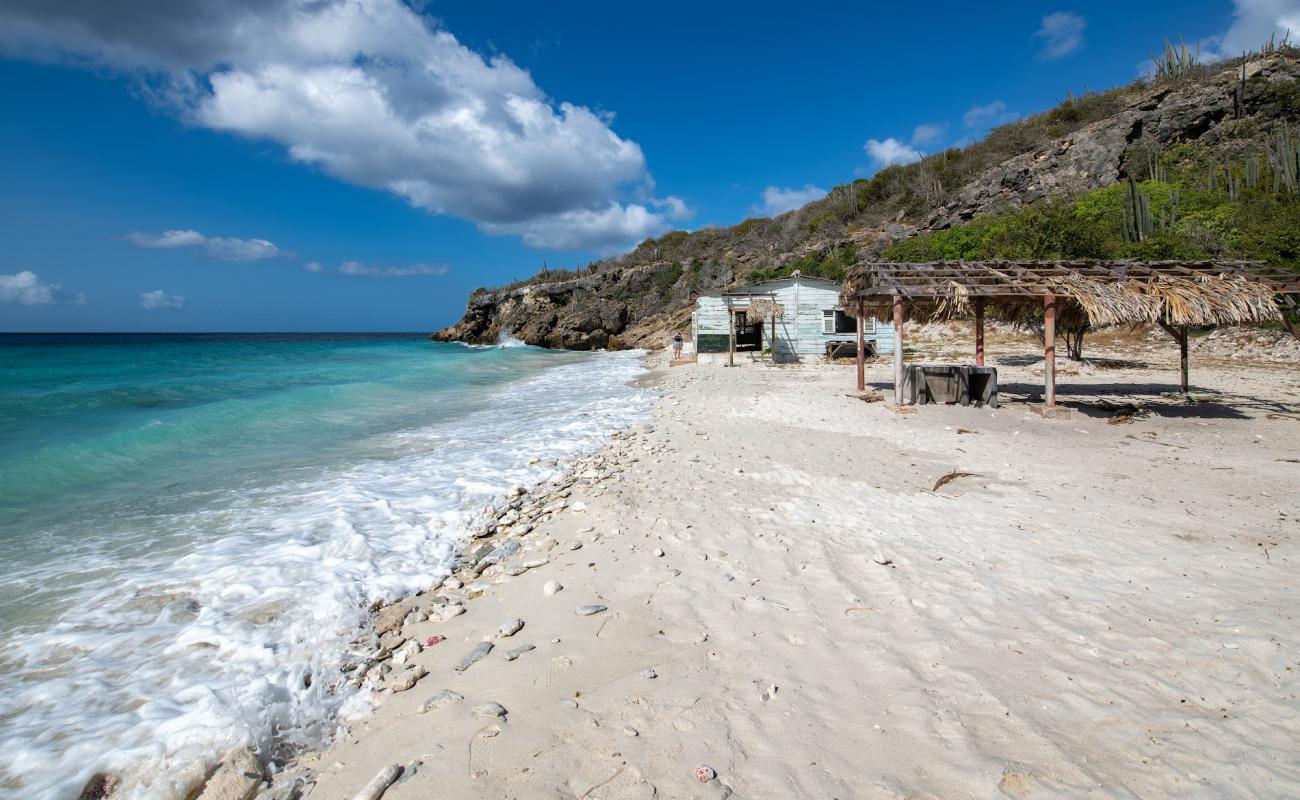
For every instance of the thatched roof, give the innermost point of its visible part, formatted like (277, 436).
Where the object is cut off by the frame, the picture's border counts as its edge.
(762, 309)
(1103, 292)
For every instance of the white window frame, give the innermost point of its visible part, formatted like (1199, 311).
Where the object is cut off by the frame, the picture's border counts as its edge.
(828, 322)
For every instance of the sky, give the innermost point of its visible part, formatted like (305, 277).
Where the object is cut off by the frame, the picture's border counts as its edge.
(363, 165)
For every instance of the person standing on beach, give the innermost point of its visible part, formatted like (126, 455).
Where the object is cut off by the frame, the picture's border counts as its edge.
(677, 345)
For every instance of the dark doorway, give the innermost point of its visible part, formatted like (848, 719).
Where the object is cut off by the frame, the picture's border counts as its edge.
(748, 337)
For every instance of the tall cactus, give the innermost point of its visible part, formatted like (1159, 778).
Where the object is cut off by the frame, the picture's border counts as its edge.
(1283, 154)
(1252, 172)
(1138, 222)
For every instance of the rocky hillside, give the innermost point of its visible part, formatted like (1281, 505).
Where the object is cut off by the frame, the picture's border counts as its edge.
(1084, 144)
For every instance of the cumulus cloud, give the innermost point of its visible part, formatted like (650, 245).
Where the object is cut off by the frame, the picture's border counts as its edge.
(605, 230)
(218, 247)
(778, 201)
(371, 92)
(988, 116)
(160, 299)
(890, 152)
(357, 268)
(928, 133)
(1253, 22)
(26, 288)
(1061, 34)
(312, 266)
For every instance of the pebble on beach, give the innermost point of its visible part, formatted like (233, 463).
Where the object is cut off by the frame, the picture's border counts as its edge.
(439, 700)
(649, 674)
(473, 657)
(704, 773)
(489, 711)
(552, 588)
(510, 627)
(587, 611)
(516, 652)
(408, 678)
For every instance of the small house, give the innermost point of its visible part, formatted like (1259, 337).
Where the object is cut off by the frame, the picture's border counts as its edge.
(789, 320)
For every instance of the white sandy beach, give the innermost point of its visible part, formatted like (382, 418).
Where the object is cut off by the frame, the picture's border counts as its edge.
(1099, 610)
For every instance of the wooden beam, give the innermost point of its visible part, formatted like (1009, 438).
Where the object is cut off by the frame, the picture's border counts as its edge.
(862, 351)
(1182, 362)
(731, 337)
(898, 350)
(1049, 348)
(979, 332)
(772, 344)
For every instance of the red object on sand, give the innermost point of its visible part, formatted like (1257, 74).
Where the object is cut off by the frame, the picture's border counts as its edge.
(432, 640)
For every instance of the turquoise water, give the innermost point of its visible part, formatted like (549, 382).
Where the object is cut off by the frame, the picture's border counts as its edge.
(191, 524)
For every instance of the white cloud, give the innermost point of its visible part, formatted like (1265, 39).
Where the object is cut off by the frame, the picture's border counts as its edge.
(605, 230)
(26, 288)
(373, 93)
(218, 247)
(1253, 22)
(928, 133)
(160, 299)
(359, 269)
(778, 201)
(988, 116)
(1061, 34)
(890, 152)
(312, 266)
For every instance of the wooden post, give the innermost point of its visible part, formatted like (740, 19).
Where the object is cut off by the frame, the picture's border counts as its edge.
(1182, 351)
(731, 337)
(1179, 335)
(1049, 348)
(862, 352)
(772, 344)
(898, 349)
(979, 331)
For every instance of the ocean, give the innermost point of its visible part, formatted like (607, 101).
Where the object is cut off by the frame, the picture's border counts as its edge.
(192, 527)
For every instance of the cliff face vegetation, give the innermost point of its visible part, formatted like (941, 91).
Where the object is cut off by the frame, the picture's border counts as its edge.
(1200, 161)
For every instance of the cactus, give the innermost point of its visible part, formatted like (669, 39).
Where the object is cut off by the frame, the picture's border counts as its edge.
(1283, 153)
(1232, 183)
(1138, 222)
(1173, 208)
(1252, 172)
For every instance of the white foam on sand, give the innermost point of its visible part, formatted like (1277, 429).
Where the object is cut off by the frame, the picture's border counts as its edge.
(164, 662)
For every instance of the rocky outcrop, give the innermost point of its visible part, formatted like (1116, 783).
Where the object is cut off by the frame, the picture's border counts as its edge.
(628, 302)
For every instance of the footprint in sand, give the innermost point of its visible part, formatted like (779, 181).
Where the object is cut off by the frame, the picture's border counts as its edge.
(554, 669)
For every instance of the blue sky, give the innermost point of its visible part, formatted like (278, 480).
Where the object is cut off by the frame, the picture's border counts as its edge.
(363, 165)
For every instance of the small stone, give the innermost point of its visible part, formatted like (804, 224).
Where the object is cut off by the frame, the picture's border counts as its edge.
(630, 731)
(587, 611)
(516, 652)
(439, 700)
(551, 588)
(237, 776)
(659, 553)
(728, 578)
(473, 657)
(406, 652)
(510, 627)
(576, 546)
(408, 678)
(569, 703)
(649, 674)
(453, 582)
(489, 711)
(704, 773)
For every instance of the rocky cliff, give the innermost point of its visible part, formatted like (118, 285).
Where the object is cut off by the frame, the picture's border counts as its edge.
(1085, 143)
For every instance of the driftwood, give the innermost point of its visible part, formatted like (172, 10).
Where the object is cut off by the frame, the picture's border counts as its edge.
(380, 783)
(952, 476)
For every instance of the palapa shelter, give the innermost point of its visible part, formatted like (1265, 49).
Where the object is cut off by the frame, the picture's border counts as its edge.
(1172, 294)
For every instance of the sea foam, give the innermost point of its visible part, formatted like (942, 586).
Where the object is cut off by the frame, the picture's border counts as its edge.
(232, 629)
